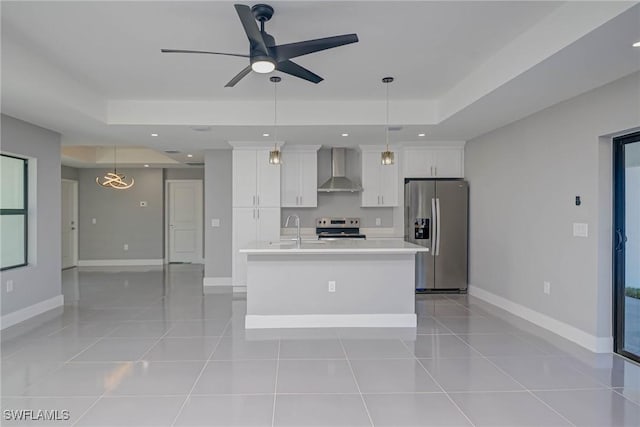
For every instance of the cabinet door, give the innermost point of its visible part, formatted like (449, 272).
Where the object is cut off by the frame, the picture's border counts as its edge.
(290, 179)
(418, 163)
(370, 178)
(268, 224)
(244, 234)
(448, 163)
(308, 179)
(268, 181)
(389, 185)
(244, 178)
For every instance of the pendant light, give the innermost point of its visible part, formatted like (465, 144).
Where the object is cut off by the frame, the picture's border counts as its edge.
(275, 156)
(114, 179)
(387, 157)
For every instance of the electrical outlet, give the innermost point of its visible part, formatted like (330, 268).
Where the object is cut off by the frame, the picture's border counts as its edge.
(9, 286)
(93, 220)
(332, 286)
(143, 204)
(547, 288)
(378, 222)
(126, 247)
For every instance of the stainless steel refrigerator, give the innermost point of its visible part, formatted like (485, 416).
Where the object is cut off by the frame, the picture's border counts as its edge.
(436, 216)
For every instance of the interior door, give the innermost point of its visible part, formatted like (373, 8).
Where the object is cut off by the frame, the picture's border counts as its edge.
(69, 223)
(185, 221)
(626, 246)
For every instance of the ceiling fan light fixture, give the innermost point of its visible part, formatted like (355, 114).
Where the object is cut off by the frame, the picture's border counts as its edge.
(262, 64)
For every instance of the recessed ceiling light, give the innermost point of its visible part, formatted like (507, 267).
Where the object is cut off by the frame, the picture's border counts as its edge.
(636, 44)
(146, 166)
(189, 155)
(421, 134)
(154, 134)
(345, 134)
(265, 134)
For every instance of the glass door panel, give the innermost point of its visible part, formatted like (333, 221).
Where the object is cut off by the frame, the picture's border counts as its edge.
(627, 245)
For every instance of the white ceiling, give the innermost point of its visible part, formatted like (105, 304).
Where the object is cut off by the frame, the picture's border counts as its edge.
(94, 72)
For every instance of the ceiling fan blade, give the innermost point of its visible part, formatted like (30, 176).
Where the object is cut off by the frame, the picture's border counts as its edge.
(202, 51)
(294, 69)
(293, 50)
(239, 76)
(251, 28)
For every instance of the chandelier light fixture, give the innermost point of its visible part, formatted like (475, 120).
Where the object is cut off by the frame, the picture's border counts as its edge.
(114, 179)
(275, 155)
(387, 157)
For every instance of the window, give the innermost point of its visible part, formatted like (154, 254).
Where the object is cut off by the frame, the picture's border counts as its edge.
(13, 212)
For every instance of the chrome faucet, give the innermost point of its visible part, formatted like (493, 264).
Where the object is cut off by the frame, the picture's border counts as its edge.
(286, 224)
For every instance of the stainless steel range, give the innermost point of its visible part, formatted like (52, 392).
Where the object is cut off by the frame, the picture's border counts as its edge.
(338, 228)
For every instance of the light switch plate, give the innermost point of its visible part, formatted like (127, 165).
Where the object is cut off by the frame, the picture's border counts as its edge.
(580, 229)
(215, 222)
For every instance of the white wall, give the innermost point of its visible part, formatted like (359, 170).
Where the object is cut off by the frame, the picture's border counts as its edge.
(523, 181)
(39, 282)
(217, 205)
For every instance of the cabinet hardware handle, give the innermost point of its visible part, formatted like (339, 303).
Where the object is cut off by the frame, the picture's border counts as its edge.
(254, 201)
(436, 168)
(258, 200)
(382, 199)
(258, 213)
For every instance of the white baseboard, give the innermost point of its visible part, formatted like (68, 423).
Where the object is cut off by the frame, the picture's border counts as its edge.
(118, 262)
(578, 336)
(212, 285)
(31, 311)
(253, 321)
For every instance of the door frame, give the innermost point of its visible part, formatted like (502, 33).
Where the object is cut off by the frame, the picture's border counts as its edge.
(200, 217)
(619, 255)
(74, 186)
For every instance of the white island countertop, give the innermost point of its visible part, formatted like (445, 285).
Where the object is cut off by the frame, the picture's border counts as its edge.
(368, 246)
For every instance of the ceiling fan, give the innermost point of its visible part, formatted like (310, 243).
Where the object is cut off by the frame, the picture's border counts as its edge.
(264, 55)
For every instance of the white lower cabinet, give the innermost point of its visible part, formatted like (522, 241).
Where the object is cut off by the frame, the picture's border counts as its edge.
(251, 225)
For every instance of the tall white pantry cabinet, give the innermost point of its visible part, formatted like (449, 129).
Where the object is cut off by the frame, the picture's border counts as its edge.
(256, 203)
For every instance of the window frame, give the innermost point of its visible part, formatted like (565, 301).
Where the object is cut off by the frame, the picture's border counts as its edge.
(24, 211)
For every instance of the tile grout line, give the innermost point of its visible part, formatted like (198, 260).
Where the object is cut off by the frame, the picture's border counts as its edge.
(522, 385)
(275, 387)
(355, 380)
(206, 363)
(438, 384)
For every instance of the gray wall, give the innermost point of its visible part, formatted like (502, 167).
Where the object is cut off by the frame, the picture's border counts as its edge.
(119, 217)
(217, 204)
(68, 172)
(523, 181)
(340, 204)
(41, 279)
(184, 173)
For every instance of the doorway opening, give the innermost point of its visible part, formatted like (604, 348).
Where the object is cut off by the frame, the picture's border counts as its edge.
(184, 221)
(626, 245)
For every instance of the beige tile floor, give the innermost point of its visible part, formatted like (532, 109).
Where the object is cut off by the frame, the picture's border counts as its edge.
(140, 347)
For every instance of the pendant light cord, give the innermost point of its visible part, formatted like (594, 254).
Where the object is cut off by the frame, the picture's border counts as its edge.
(387, 127)
(275, 114)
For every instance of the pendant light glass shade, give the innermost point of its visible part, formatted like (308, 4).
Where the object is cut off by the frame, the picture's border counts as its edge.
(387, 157)
(275, 155)
(114, 179)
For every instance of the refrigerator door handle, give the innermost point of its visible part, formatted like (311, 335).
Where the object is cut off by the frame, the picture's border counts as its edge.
(434, 227)
(438, 227)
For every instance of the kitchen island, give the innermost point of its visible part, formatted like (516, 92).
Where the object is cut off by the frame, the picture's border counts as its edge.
(343, 283)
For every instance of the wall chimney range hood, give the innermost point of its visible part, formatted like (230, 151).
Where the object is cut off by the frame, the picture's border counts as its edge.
(338, 180)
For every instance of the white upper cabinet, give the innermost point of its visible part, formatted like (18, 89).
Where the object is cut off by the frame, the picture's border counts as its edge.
(434, 162)
(299, 177)
(256, 182)
(379, 182)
